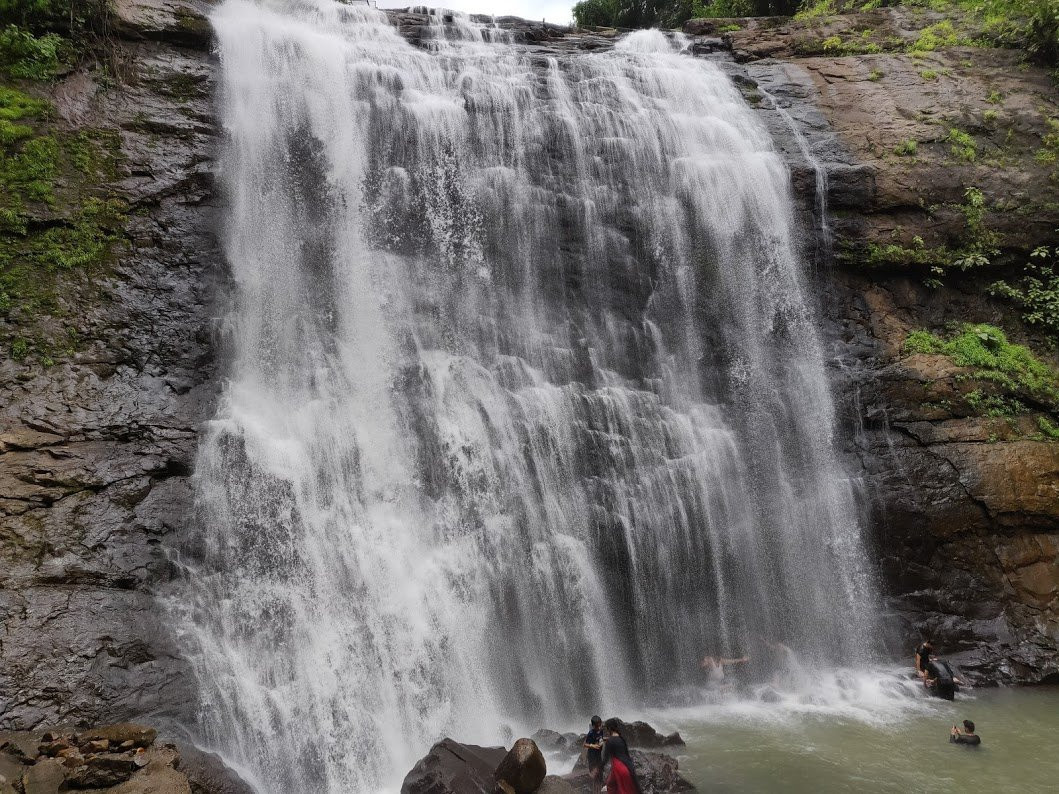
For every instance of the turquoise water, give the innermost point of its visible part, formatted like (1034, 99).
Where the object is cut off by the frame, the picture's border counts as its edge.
(885, 746)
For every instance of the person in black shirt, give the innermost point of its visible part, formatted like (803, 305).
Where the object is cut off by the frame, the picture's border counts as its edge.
(923, 654)
(622, 778)
(594, 751)
(966, 736)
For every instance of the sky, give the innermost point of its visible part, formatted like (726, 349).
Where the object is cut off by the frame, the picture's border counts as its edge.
(550, 10)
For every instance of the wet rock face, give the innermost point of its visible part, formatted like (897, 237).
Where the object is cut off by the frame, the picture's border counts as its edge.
(963, 508)
(96, 450)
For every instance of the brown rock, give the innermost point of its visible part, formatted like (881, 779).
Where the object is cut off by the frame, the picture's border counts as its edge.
(95, 746)
(164, 780)
(522, 769)
(139, 735)
(44, 777)
(553, 784)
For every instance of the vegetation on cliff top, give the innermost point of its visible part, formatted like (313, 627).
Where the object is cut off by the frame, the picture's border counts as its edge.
(1029, 24)
(672, 13)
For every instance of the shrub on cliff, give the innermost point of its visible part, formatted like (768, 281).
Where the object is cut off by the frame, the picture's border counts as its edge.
(68, 17)
(671, 13)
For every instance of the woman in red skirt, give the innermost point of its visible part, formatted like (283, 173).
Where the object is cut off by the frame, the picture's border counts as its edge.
(622, 779)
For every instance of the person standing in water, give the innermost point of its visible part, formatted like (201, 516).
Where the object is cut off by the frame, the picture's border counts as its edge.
(714, 667)
(594, 751)
(966, 736)
(622, 778)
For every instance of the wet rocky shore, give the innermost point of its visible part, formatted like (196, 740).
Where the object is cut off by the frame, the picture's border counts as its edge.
(454, 768)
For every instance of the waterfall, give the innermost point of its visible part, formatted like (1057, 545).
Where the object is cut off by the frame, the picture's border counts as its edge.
(526, 408)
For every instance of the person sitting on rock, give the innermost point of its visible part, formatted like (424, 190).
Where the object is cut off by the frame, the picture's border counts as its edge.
(622, 778)
(966, 736)
(922, 658)
(594, 751)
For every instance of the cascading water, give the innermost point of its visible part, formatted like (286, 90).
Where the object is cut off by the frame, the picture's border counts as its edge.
(526, 407)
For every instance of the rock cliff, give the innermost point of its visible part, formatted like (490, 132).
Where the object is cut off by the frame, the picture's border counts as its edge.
(105, 381)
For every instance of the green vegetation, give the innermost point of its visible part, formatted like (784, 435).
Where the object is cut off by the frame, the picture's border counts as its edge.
(28, 57)
(1036, 290)
(671, 13)
(907, 148)
(929, 74)
(964, 146)
(978, 248)
(1012, 369)
(875, 75)
(937, 36)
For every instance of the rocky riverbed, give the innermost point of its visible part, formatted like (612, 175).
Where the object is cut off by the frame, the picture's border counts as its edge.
(122, 759)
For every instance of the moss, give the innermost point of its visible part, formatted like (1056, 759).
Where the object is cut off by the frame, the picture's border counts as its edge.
(1011, 368)
(875, 75)
(929, 74)
(1048, 429)
(906, 148)
(58, 221)
(937, 36)
(964, 146)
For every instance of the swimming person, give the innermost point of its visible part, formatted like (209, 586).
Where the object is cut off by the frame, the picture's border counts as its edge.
(622, 778)
(922, 657)
(966, 736)
(594, 751)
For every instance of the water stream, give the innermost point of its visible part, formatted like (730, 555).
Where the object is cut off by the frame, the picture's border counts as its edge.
(526, 408)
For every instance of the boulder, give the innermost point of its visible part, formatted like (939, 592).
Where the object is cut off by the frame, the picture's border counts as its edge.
(522, 769)
(549, 740)
(100, 771)
(11, 769)
(454, 768)
(43, 778)
(640, 734)
(658, 773)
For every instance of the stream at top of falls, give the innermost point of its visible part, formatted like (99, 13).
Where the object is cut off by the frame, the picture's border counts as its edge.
(526, 409)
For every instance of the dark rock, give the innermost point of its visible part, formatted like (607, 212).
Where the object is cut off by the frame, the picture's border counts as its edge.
(553, 741)
(454, 768)
(640, 734)
(207, 773)
(522, 769)
(100, 771)
(658, 773)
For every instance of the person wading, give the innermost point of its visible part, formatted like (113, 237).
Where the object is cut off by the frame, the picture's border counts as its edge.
(966, 736)
(622, 778)
(923, 654)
